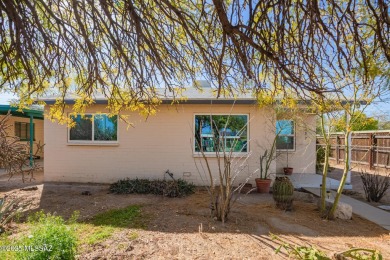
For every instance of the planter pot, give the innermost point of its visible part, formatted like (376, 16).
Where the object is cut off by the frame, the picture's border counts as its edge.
(288, 170)
(263, 185)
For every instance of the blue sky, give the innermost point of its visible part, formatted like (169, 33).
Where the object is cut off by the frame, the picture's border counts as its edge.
(5, 98)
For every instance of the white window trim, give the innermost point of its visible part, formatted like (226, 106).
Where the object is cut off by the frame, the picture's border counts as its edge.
(93, 142)
(293, 135)
(213, 154)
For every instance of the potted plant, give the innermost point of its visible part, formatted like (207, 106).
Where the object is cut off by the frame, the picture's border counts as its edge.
(263, 183)
(283, 193)
(287, 170)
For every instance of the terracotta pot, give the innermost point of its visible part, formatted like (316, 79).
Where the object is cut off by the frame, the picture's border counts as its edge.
(263, 185)
(288, 170)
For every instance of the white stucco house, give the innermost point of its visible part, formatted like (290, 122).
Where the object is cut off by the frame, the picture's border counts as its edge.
(100, 149)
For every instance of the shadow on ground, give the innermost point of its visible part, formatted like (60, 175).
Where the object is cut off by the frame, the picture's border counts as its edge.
(252, 214)
(183, 221)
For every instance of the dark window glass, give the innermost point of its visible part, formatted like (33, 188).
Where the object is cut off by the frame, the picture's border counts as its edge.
(82, 131)
(22, 130)
(94, 128)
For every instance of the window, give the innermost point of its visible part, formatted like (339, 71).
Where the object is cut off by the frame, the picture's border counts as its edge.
(286, 135)
(229, 132)
(94, 128)
(22, 130)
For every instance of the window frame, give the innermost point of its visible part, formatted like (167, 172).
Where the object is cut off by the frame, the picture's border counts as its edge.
(289, 135)
(27, 131)
(93, 142)
(213, 154)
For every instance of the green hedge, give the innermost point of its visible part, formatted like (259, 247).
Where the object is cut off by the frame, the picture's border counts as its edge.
(177, 188)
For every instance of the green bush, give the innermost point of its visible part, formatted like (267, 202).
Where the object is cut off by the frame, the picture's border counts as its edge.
(174, 188)
(320, 158)
(49, 238)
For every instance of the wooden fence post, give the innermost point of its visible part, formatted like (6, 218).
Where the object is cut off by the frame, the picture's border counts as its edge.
(370, 151)
(337, 150)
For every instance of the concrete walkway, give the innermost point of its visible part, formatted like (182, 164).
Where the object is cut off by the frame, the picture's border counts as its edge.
(311, 180)
(373, 214)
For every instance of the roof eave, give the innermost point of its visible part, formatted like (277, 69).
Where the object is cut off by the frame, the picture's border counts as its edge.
(26, 113)
(170, 101)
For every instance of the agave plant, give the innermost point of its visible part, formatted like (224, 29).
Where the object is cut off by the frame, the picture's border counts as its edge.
(8, 210)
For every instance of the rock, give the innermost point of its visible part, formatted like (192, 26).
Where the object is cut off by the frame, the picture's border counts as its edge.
(86, 193)
(343, 210)
(29, 188)
(304, 196)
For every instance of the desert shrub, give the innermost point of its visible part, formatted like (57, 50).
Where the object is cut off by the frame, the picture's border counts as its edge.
(13, 153)
(308, 252)
(171, 188)
(141, 186)
(49, 238)
(8, 210)
(359, 254)
(375, 186)
(320, 158)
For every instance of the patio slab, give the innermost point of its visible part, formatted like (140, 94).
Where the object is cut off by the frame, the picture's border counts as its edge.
(311, 180)
(373, 214)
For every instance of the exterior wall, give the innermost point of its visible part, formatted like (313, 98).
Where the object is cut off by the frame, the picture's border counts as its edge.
(303, 159)
(38, 130)
(152, 146)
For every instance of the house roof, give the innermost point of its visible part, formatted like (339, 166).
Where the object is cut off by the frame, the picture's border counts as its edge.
(187, 96)
(36, 112)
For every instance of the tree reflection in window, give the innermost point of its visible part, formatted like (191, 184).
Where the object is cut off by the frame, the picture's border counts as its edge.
(221, 132)
(105, 128)
(286, 135)
(94, 128)
(82, 131)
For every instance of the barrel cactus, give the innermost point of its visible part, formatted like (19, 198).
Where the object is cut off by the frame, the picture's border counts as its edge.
(283, 193)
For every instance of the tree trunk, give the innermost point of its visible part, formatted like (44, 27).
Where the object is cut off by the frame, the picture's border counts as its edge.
(325, 167)
(345, 173)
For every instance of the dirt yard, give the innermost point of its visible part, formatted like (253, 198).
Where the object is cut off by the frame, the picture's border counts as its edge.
(181, 228)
